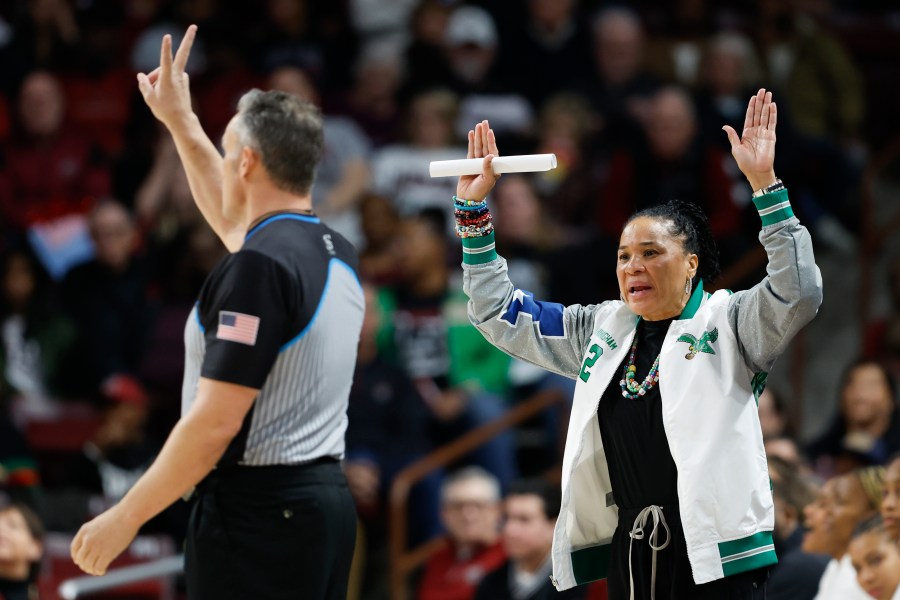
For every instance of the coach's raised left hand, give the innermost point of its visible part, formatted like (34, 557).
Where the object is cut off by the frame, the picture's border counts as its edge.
(754, 150)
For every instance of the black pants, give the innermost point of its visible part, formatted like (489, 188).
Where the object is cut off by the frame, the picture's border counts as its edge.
(674, 577)
(271, 533)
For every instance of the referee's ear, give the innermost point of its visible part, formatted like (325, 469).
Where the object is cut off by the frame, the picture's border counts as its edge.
(249, 161)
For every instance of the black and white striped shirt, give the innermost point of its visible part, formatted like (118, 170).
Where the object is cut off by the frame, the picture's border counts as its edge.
(283, 315)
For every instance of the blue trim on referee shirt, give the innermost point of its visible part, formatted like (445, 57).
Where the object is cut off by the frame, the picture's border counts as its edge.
(197, 317)
(332, 262)
(271, 220)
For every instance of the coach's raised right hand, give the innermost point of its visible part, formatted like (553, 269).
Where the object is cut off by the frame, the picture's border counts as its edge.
(166, 89)
(482, 144)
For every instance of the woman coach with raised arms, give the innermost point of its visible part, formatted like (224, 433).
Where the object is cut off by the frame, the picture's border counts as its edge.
(665, 486)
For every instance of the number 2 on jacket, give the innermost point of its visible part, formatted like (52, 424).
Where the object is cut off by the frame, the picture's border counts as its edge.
(594, 353)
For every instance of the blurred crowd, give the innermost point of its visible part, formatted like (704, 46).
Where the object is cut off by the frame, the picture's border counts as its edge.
(102, 251)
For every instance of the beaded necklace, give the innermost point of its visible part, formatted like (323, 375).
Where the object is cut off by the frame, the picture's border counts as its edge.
(630, 388)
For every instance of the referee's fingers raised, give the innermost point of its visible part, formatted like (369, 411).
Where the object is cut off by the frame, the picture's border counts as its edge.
(165, 56)
(184, 49)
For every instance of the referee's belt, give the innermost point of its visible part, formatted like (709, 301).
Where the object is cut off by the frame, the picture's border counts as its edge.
(195, 490)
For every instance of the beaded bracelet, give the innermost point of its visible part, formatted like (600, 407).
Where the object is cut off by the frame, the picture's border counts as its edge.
(470, 215)
(464, 204)
(467, 232)
(482, 221)
(473, 219)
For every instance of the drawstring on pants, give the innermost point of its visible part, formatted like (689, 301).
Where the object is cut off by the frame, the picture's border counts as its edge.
(637, 533)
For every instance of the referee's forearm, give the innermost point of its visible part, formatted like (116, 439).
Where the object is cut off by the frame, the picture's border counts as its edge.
(203, 166)
(190, 453)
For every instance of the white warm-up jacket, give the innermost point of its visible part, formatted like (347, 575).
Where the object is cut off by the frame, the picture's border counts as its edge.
(713, 365)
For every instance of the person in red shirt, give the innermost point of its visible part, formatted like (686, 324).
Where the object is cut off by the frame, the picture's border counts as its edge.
(470, 511)
(46, 172)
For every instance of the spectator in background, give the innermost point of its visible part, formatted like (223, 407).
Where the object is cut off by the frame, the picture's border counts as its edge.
(114, 458)
(554, 43)
(470, 512)
(38, 361)
(527, 235)
(824, 97)
(471, 45)
(855, 497)
(621, 87)
(99, 86)
(425, 56)
(882, 338)
(21, 548)
(778, 432)
(384, 23)
(387, 430)
(866, 428)
(816, 538)
(45, 35)
(675, 163)
(163, 204)
(568, 127)
(729, 71)
(19, 477)
(108, 296)
(530, 510)
(675, 46)
(773, 417)
(797, 574)
(227, 70)
(890, 501)
(461, 377)
(317, 37)
(823, 88)
(372, 100)
(876, 557)
(47, 171)
(380, 227)
(343, 172)
(400, 171)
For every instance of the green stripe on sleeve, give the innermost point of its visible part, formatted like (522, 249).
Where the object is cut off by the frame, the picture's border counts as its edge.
(479, 250)
(773, 208)
(746, 554)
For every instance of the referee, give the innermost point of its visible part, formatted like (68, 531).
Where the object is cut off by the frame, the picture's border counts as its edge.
(270, 349)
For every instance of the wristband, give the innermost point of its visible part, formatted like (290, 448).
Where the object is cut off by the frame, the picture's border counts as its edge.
(778, 185)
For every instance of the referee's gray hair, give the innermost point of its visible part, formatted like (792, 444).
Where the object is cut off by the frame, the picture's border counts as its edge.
(286, 133)
(468, 474)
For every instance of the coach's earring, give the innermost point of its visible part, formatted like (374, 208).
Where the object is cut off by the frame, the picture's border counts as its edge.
(688, 286)
(621, 297)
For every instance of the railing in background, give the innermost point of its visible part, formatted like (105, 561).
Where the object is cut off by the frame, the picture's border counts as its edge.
(82, 587)
(145, 570)
(403, 561)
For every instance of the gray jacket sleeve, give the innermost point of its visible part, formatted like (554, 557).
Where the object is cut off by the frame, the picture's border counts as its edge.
(766, 317)
(549, 335)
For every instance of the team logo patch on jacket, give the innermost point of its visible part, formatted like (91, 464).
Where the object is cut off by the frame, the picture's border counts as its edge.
(704, 344)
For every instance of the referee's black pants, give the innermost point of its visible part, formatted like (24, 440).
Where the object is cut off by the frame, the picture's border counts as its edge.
(271, 533)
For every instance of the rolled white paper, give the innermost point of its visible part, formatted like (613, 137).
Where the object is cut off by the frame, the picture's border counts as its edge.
(524, 163)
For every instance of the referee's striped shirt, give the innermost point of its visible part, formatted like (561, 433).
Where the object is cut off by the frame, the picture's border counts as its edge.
(283, 315)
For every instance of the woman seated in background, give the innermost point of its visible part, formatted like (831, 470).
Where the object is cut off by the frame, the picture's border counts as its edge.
(866, 429)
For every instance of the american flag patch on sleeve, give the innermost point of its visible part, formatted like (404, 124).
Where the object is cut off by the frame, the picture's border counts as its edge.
(237, 327)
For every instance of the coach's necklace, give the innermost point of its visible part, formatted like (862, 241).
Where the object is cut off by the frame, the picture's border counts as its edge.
(630, 388)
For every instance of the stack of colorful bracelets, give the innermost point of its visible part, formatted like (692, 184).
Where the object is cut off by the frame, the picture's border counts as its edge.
(472, 218)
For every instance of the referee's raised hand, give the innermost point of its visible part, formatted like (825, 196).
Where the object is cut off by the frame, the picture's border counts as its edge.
(166, 89)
